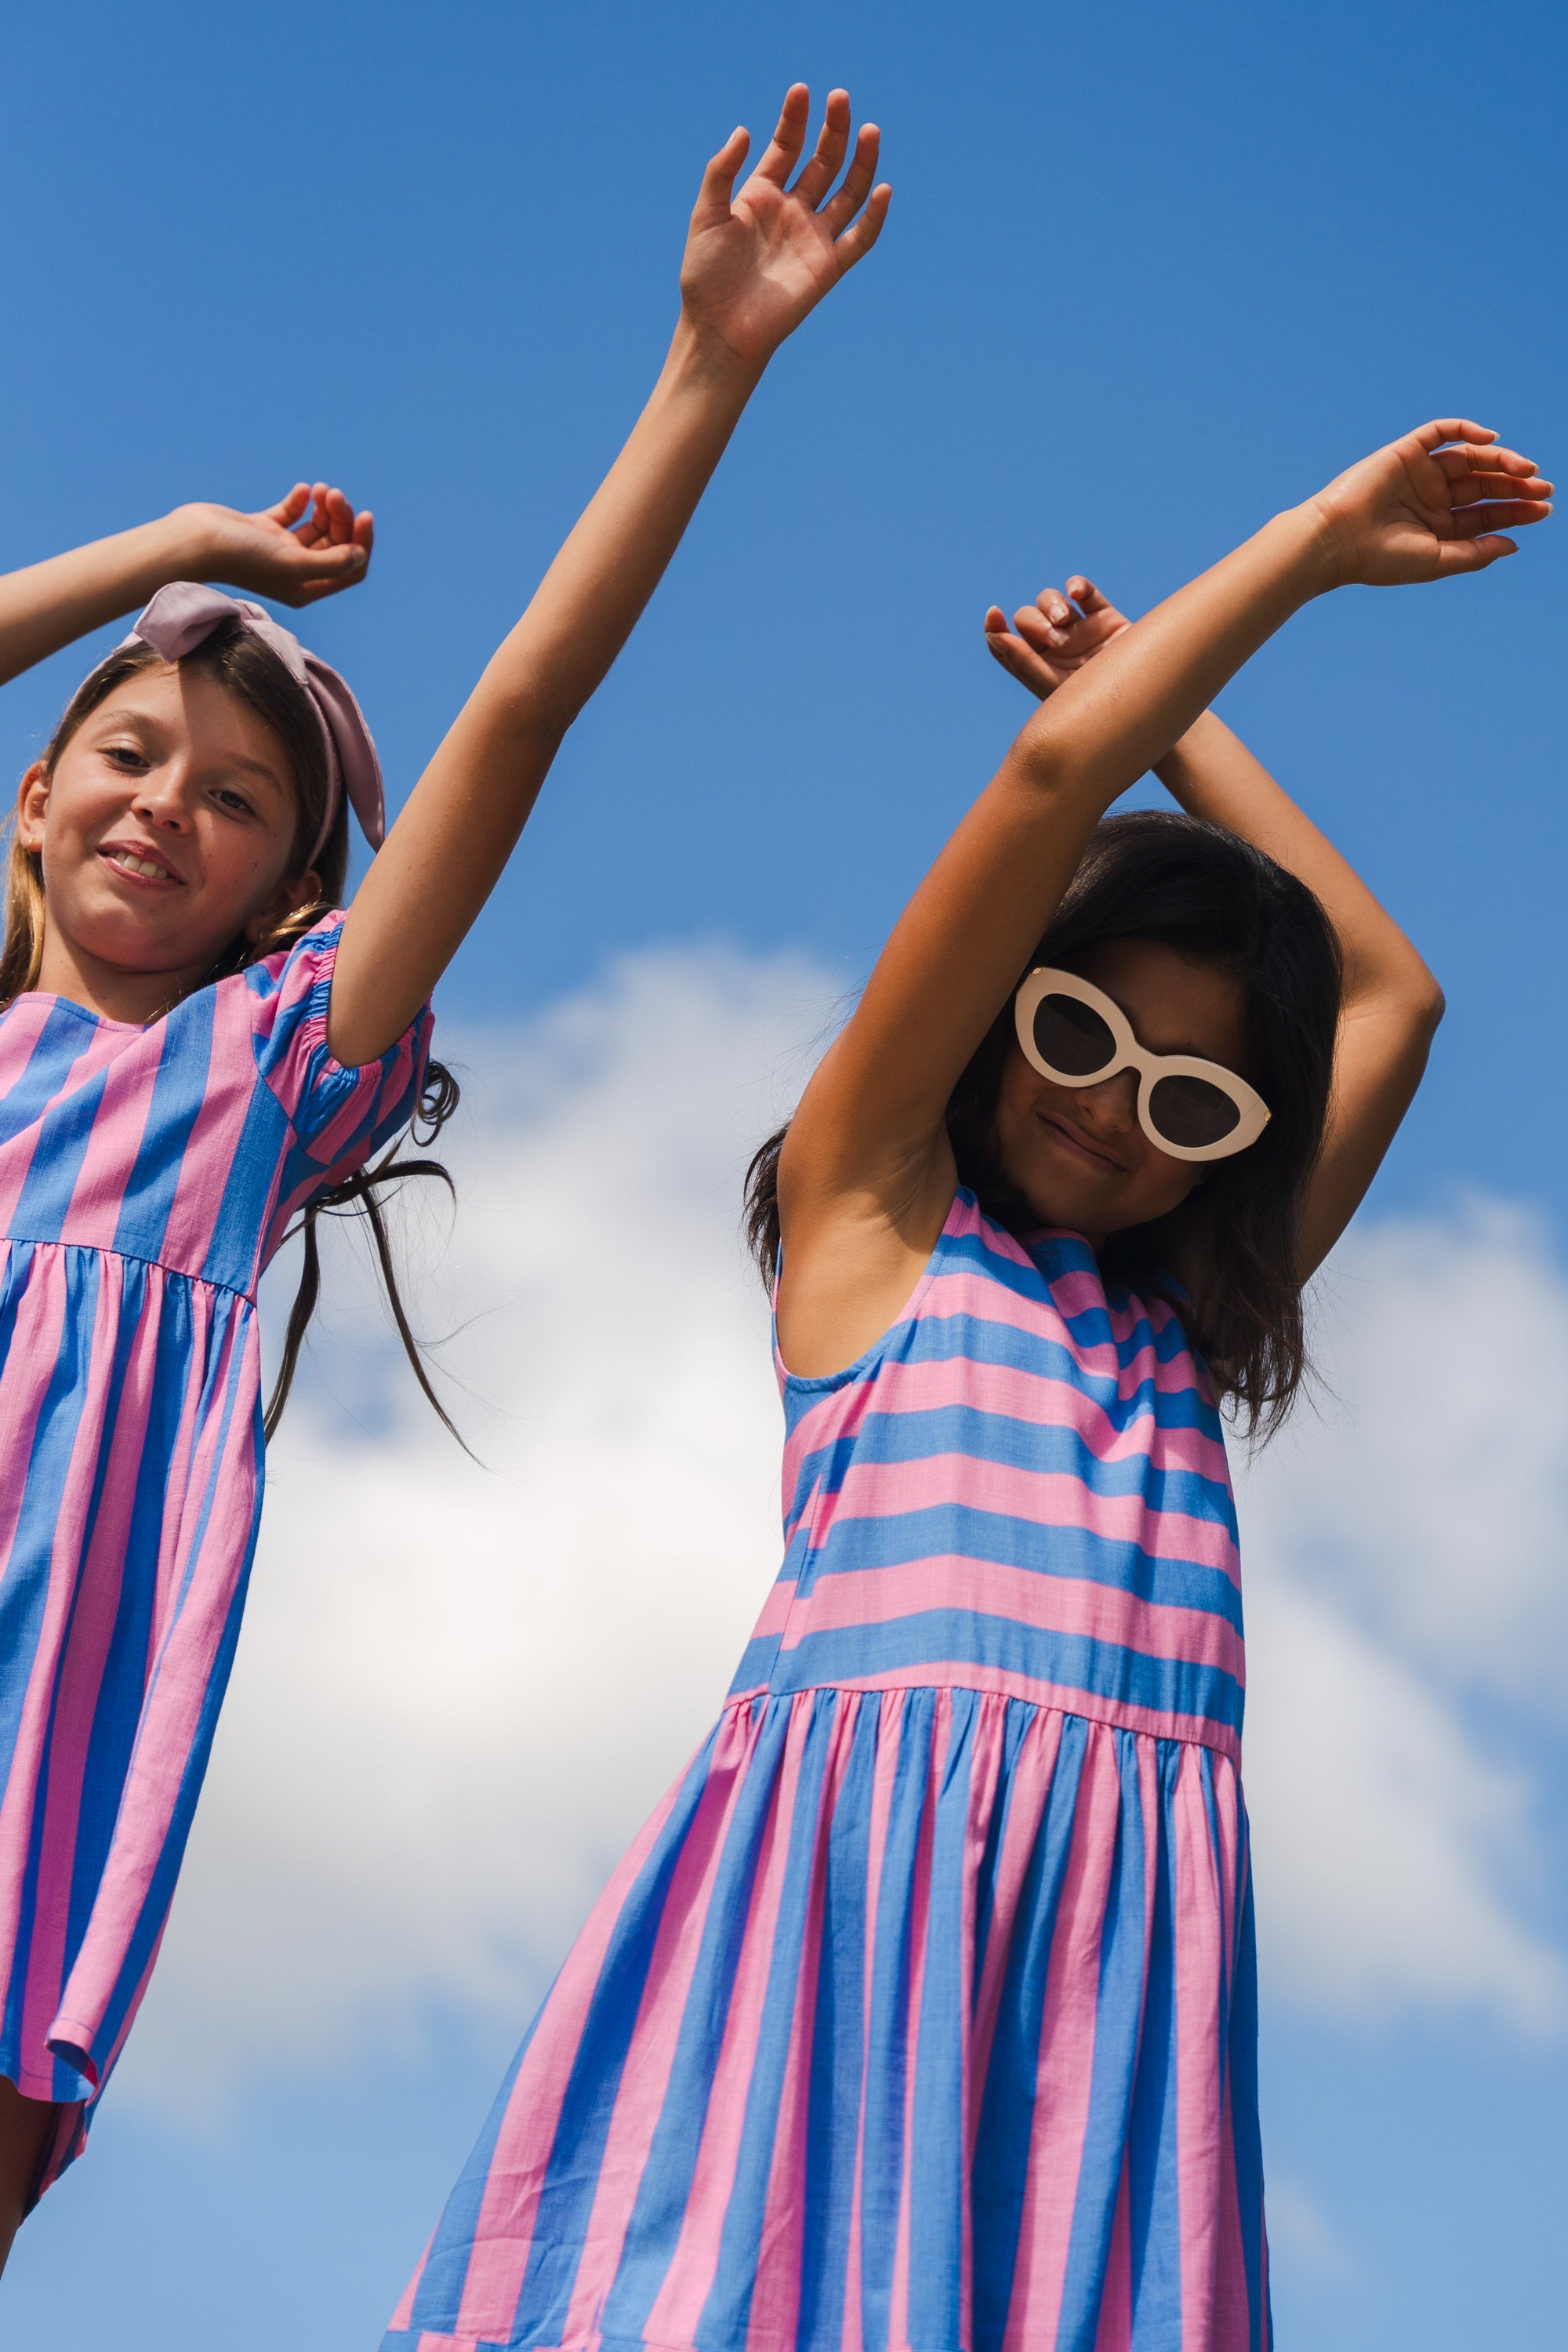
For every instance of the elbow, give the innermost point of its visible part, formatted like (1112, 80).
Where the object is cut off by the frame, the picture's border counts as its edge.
(1429, 1005)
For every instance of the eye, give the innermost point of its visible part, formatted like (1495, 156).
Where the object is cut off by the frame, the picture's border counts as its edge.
(232, 802)
(126, 758)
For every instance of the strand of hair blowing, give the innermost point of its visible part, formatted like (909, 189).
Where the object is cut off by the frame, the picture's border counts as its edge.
(248, 670)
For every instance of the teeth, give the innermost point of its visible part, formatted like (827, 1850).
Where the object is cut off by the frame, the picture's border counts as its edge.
(141, 865)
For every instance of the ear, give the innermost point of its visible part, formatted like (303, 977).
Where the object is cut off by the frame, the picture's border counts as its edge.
(302, 890)
(33, 807)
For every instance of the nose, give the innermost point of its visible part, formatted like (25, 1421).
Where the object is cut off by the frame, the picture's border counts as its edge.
(1112, 1104)
(159, 798)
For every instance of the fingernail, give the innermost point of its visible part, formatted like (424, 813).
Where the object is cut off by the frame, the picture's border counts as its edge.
(1058, 613)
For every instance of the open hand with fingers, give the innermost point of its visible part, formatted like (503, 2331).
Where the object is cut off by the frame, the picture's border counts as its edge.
(309, 545)
(1055, 635)
(759, 259)
(1437, 500)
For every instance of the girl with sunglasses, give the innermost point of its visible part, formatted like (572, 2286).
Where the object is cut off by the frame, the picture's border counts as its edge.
(923, 2010)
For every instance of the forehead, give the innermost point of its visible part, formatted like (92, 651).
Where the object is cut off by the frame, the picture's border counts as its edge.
(189, 709)
(1176, 1003)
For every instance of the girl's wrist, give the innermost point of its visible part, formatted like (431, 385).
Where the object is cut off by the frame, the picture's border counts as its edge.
(1315, 555)
(703, 360)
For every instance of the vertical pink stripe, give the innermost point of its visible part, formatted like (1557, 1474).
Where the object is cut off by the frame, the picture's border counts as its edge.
(1200, 1971)
(1065, 2071)
(650, 2055)
(197, 1590)
(892, 1709)
(1114, 2333)
(119, 1125)
(403, 2315)
(83, 1651)
(775, 2300)
(40, 1334)
(503, 2230)
(919, 1932)
(25, 1023)
(1033, 1772)
(215, 1137)
(678, 2307)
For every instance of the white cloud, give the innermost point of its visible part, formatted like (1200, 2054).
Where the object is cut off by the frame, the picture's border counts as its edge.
(1431, 1493)
(459, 1690)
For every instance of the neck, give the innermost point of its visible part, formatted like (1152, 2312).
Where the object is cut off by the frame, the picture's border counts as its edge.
(109, 989)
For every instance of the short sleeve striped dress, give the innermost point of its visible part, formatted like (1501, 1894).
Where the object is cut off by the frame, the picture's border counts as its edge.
(921, 2016)
(146, 1177)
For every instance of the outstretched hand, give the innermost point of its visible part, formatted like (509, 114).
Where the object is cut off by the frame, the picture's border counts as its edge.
(757, 260)
(1437, 500)
(1055, 635)
(309, 545)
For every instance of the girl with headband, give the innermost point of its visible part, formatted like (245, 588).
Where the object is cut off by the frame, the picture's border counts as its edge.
(923, 2012)
(198, 1046)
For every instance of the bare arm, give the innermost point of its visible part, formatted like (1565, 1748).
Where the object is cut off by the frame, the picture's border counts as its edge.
(1392, 1004)
(296, 551)
(754, 267)
(866, 1175)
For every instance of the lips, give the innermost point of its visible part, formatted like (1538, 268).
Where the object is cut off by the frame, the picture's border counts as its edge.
(137, 863)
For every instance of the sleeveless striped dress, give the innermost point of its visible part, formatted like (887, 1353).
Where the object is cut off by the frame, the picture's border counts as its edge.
(921, 2016)
(146, 1177)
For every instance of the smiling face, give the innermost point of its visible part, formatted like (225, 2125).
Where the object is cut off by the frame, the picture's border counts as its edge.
(166, 831)
(1078, 1154)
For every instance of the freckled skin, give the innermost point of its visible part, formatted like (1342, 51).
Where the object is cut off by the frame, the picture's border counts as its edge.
(1078, 1154)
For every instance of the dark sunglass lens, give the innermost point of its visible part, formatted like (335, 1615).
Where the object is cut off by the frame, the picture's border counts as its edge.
(1072, 1038)
(1192, 1112)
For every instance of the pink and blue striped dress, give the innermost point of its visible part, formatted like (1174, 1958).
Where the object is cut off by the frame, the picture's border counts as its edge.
(921, 2016)
(146, 1177)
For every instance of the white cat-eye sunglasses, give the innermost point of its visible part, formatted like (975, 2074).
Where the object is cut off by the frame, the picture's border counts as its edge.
(1073, 1033)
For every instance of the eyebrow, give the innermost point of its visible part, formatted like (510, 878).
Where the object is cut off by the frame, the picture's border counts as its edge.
(156, 726)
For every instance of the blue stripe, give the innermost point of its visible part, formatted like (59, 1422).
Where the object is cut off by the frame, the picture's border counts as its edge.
(940, 2152)
(961, 1637)
(838, 2040)
(665, 2189)
(1007, 2102)
(67, 1032)
(226, 1404)
(727, 2313)
(121, 1691)
(63, 1136)
(888, 2026)
(1154, 2193)
(1039, 1352)
(25, 1587)
(917, 1433)
(1117, 2014)
(179, 1089)
(996, 1539)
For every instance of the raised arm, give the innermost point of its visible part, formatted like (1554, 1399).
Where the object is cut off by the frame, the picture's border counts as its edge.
(1392, 1004)
(866, 1174)
(756, 262)
(309, 545)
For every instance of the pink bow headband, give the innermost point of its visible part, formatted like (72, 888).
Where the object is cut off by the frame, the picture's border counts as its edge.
(185, 613)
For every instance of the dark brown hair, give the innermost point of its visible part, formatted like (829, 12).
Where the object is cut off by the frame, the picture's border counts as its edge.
(238, 661)
(1156, 874)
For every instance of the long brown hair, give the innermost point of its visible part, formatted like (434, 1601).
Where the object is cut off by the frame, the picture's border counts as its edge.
(248, 670)
(1154, 874)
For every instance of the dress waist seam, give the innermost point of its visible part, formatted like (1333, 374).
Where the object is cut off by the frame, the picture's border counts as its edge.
(1219, 1737)
(134, 1257)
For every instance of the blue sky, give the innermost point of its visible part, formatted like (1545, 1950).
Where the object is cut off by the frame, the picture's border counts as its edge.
(1150, 273)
